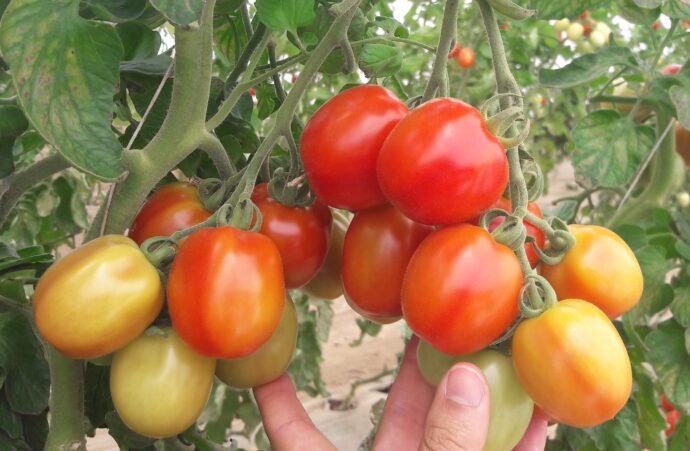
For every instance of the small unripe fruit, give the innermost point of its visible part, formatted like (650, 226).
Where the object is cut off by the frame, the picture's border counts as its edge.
(597, 39)
(575, 31)
(601, 26)
(561, 25)
(683, 199)
(584, 47)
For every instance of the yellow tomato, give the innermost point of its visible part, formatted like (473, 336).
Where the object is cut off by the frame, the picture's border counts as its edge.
(98, 298)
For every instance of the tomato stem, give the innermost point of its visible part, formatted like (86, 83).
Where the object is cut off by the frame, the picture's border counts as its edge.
(66, 405)
(439, 72)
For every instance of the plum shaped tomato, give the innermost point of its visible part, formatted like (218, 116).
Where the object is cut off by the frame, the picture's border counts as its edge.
(511, 406)
(600, 269)
(573, 363)
(460, 290)
(378, 247)
(173, 207)
(269, 361)
(98, 298)
(441, 165)
(226, 291)
(327, 283)
(300, 233)
(159, 385)
(342, 141)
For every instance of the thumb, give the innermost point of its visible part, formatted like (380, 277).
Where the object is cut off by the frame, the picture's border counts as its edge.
(459, 415)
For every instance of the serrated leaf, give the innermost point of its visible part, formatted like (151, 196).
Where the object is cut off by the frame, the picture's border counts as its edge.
(558, 9)
(677, 9)
(657, 293)
(65, 69)
(285, 15)
(138, 41)
(179, 12)
(603, 160)
(117, 10)
(619, 433)
(671, 362)
(633, 235)
(588, 67)
(391, 26)
(380, 60)
(680, 307)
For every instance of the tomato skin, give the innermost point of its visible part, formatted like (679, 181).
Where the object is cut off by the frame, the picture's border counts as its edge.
(342, 141)
(600, 269)
(511, 406)
(573, 363)
(378, 245)
(683, 143)
(269, 361)
(327, 283)
(159, 385)
(173, 207)
(671, 69)
(226, 291)
(466, 57)
(74, 303)
(665, 404)
(440, 165)
(672, 418)
(300, 233)
(468, 304)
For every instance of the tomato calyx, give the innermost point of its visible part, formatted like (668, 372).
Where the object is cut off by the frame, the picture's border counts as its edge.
(290, 191)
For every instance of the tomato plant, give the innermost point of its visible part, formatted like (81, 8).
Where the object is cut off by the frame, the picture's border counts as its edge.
(224, 276)
(378, 246)
(300, 233)
(160, 385)
(511, 406)
(327, 283)
(98, 298)
(463, 309)
(449, 137)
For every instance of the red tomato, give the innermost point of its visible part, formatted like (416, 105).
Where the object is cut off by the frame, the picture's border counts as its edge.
(665, 404)
(378, 246)
(441, 165)
(533, 231)
(466, 57)
(460, 290)
(453, 53)
(656, 25)
(342, 141)
(173, 207)
(671, 69)
(672, 418)
(300, 233)
(226, 291)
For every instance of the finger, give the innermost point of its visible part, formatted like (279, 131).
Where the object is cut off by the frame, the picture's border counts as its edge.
(459, 415)
(535, 435)
(402, 421)
(286, 422)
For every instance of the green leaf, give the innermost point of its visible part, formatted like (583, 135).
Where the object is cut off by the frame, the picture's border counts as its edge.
(12, 121)
(680, 96)
(680, 307)
(10, 422)
(180, 13)
(6, 156)
(141, 90)
(620, 433)
(671, 362)
(380, 60)
(650, 420)
(65, 71)
(558, 9)
(633, 235)
(97, 400)
(649, 4)
(632, 11)
(657, 293)
(602, 160)
(680, 439)
(588, 67)
(28, 379)
(285, 15)
(138, 41)
(677, 9)
(117, 10)
(391, 26)
(156, 65)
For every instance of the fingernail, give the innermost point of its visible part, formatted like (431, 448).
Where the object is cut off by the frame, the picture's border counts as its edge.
(465, 386)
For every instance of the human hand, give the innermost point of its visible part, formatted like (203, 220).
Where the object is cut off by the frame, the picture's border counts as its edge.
(455, 416)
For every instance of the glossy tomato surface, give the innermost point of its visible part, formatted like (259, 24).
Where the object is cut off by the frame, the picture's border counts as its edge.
(466, 57)
(269, 361)
(441, 165)
(378, 246)
(460, 290)
(327, 283)
(159, 385)
(511, 406)
(173, 207)
(226, 291)
(532, 230)
(300, 233)
(98, 298)
(342, 141)
(600, 269)
(573, 363)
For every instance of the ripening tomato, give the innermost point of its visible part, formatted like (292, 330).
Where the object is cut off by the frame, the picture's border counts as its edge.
(342, 141)
(466, 57)
(672, 418)
(159, 385)
(683, 143)
(174, 207)
(440, 165)
(600, 269)
(226, 291)
(460, 290)
(300, 233)
(671, 69)
(98, 298)
(573, 363)
(269, 361)
(327, 283)
(454, 52)
(378, 246)
(665, 404)
(511, 407)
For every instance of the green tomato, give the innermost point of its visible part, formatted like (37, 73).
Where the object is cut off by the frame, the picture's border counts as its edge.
(269, 361)
(511, 406)
(561, 25)
(575, 31)
(159, 385)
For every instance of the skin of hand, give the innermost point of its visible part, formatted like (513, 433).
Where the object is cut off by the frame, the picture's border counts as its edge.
(454, 416)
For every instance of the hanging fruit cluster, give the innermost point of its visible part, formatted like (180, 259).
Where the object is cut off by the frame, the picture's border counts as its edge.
(585, 32)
